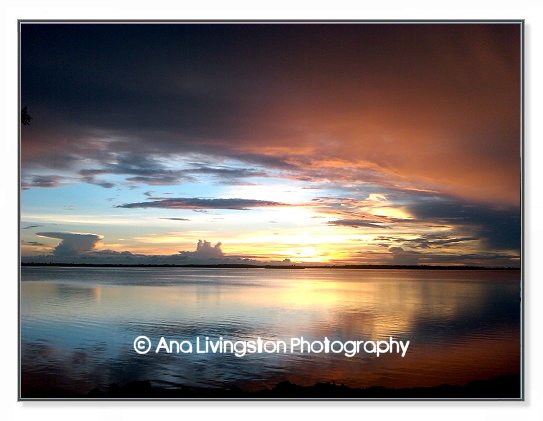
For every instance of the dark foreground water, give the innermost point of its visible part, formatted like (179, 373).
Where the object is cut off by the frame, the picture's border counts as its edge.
(78, 325)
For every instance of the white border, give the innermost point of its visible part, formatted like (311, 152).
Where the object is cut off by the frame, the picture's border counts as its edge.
(11, 10)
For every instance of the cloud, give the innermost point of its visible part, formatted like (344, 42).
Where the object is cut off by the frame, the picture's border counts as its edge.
(403, 257)
(155, 180)
(228, 174)
(430, 241)
(151, 171)
(176, 219)
(47, 181)
(427, 241)
(356, 213)
(139, 168)
(204, 251)
(199, 203)
(91, 180)
(222, 111)
(72, 244)
(498, 226)
(32, 243)
(357, 223)
(31, 226)
(79, 248)
(451, 123)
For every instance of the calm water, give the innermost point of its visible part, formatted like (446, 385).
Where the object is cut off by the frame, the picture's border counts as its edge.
(78, 325)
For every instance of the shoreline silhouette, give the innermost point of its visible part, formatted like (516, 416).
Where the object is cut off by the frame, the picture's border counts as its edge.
(502, 387)
(252, 266)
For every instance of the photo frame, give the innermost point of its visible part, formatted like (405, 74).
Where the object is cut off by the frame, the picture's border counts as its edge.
(265, 210)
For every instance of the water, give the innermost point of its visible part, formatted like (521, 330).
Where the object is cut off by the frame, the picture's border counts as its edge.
(78, 325)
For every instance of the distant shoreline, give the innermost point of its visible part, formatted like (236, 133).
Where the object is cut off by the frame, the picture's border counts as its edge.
(250, 266)
(503, 387)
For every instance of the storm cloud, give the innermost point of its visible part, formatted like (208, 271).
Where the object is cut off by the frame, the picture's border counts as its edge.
(196, 89)
(72, 244)
(498, 226)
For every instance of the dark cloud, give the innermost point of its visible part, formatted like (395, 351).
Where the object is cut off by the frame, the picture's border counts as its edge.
(427, 241)
(91, 180)
(156, 179)
(47, 181)
(31, 226)
(176, 219)
(151, 171)
(282, 96)
(274, 161)
(140, 169)
(401, 256)
(228, 173)
(199, 203)
(357, 223)
(498, 226)
(72, 244)
(32, 243)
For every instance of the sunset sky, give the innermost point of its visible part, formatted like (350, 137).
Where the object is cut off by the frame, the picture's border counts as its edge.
(318, 143)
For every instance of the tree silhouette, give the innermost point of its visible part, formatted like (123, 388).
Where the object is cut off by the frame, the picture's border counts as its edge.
(25, 117)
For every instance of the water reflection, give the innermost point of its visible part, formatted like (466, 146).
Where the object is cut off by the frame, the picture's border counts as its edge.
(78, 324)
